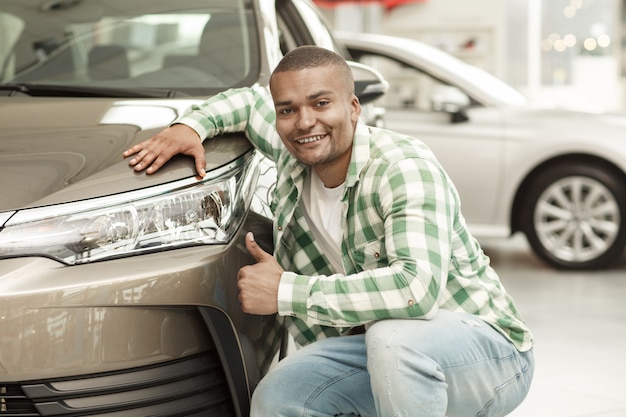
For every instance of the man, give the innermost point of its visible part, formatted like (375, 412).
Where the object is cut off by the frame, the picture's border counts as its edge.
(371, 246)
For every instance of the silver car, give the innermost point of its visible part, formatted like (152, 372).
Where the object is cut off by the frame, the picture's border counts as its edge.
(558, 176)
(118, 291)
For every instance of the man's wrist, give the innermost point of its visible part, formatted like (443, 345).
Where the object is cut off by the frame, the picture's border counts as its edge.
(191, 124)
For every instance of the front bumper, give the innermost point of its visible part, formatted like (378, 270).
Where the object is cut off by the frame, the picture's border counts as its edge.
(161, 334)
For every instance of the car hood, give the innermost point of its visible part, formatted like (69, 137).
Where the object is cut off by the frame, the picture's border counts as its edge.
(71, 150)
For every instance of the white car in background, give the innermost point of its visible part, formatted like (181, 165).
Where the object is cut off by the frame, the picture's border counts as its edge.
(558, 176)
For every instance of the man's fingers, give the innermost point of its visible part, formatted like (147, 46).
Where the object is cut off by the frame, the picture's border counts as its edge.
(136, 154)
(255, 250)
(200, 162)
(142, 155)
(132, 151)
(147, 160)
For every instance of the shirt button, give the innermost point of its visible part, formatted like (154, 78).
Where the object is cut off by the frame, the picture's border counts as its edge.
(411, 302)
(377, 255)
(280, 228)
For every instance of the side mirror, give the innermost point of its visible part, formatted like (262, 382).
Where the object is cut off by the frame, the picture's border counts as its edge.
(369, 84)
(450, 100)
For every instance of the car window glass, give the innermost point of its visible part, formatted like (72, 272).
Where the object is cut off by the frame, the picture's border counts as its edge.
(11, 28)
(317, 27)
(300, 23)
(158, 45)
(287, 42)
(408, 88)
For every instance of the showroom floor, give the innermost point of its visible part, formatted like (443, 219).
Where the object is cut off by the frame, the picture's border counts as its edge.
(579, 324)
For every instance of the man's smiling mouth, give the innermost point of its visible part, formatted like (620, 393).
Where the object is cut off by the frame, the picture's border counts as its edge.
(310, 139)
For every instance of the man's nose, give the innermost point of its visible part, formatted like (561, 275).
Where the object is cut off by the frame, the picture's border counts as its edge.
(306, 119)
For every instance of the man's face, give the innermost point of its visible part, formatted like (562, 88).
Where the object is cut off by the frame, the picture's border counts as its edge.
(316, 115)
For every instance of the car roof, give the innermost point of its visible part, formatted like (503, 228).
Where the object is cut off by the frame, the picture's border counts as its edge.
(477, 83)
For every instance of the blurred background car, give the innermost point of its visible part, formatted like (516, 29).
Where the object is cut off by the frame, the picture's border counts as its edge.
(118, 291)
(557, 176)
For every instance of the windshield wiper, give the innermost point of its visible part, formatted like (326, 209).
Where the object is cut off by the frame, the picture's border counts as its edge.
(54, 90)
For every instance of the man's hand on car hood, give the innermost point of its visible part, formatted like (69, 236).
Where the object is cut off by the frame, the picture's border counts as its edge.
(153, 153)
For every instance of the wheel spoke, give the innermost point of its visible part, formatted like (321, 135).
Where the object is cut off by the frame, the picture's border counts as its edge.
(607, 227)
(577, 193)
(578, 243)
(606, 209)
(561, 197)
(553, 227)
(597, 195)
(546, 209)
(562, 239)
(598, 243)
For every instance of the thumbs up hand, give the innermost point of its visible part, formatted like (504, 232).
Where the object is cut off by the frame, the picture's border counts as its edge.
(258, 283)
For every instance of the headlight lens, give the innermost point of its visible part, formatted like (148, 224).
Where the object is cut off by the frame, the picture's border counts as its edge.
(183, 213)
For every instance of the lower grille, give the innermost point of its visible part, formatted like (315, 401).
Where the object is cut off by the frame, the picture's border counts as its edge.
(13, 402)
(193, 386)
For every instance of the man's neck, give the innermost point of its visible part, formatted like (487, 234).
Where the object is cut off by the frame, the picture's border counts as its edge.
(334, 174)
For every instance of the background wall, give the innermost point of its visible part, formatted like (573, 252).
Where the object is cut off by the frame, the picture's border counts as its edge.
(563, 52)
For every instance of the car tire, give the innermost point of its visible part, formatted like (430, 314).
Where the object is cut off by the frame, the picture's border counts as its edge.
(574, 215)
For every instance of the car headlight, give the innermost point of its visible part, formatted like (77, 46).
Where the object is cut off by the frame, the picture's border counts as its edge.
(183, 213)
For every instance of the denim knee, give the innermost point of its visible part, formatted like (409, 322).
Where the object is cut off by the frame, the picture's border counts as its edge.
(267, 399)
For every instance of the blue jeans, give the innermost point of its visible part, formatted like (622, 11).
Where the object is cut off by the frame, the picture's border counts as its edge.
(454, 365)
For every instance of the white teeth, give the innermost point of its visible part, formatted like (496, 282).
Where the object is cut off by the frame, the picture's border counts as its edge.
(311, 139)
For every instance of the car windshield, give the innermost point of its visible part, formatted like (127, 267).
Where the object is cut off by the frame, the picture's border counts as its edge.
(185, 45)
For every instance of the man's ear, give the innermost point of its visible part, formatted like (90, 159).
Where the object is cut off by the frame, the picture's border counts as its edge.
(356, 108)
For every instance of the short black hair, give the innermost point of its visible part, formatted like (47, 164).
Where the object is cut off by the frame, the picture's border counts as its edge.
(309, 56)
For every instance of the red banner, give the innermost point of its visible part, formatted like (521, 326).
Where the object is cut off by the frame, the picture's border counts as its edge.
(387, 4)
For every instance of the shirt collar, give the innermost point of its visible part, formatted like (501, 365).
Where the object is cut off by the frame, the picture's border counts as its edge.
(360, 153)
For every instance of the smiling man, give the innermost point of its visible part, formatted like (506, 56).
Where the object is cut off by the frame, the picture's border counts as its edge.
(374, 272)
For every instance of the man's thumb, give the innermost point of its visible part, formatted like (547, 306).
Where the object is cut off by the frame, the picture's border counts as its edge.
(255, 250)
(200, 164)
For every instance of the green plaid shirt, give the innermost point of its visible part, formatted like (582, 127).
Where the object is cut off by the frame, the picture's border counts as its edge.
(406, 248)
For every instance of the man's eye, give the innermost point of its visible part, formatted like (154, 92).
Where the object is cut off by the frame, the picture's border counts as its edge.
(286, 111)
(321, 103)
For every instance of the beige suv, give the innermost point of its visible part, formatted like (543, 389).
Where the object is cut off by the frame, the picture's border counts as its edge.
(117, 289)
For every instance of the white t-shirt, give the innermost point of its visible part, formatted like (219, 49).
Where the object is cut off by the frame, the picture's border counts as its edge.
(323, 210)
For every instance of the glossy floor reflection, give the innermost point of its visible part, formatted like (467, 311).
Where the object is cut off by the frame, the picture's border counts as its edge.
(579, 323)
